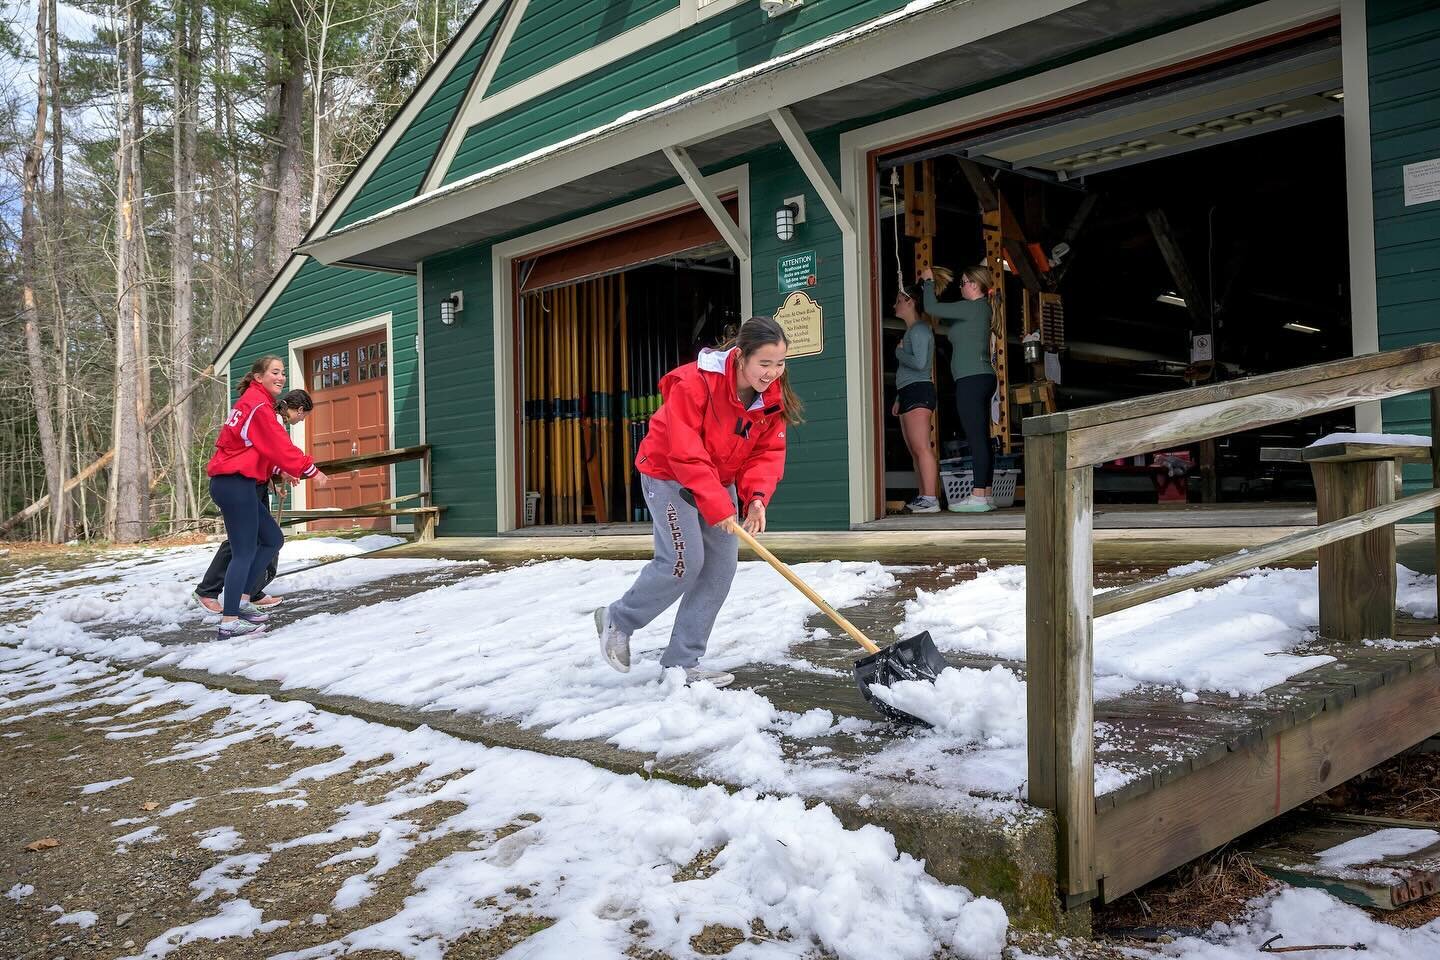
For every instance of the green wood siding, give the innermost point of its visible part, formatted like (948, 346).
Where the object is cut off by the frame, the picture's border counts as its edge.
(460, 393)
(715, 47)
(816, 490)
(398, 176)
(460, 406)
(553, 31)
(1404, 66)
(321, 298)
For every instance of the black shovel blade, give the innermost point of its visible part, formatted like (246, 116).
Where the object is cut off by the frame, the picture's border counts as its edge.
(914, 658)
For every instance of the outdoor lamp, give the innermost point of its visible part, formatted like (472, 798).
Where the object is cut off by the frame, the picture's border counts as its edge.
(450, 306)
(785, 221)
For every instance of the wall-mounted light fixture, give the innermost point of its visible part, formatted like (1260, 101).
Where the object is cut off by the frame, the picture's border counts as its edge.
(1172, 298)
(776, 8)
(790, 213)
(450, 306)
(1301, 327)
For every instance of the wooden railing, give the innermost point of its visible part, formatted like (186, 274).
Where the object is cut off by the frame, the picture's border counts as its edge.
(426, 514)
(1061, 450)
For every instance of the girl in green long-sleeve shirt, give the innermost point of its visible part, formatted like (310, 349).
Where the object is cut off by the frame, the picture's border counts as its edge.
(969, 328)
(915, 397)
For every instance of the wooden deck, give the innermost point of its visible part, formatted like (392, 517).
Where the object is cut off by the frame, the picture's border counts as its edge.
(1202, 773)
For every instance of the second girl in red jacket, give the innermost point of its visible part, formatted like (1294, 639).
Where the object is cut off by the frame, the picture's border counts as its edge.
(714, 453)
(251, 449)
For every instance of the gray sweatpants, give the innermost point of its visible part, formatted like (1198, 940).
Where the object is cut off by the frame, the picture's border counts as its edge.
(694, 563)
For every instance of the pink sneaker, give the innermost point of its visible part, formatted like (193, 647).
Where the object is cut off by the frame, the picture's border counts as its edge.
(210, 604)
(268, 602)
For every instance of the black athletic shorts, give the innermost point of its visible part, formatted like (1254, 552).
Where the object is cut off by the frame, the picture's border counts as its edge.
(917, 396)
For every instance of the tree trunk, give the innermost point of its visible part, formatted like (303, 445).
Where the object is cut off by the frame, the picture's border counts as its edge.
(291, 157)
(128, 512)
(262, 264)
(182, 249)
(61, 516)
(29, 228)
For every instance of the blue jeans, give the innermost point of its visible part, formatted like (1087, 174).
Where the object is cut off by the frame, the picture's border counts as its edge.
(254, 535)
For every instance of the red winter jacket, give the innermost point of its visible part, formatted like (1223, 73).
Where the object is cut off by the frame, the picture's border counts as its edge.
(253, 444)
(702, 439)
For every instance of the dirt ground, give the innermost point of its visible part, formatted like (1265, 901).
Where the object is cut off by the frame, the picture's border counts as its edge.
(142, 889)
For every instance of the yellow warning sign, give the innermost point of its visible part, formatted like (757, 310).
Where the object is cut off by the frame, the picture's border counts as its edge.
(804, 323)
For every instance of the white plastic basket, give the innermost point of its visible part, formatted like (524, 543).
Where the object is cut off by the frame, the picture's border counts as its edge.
(532, 504)
(1002, 486)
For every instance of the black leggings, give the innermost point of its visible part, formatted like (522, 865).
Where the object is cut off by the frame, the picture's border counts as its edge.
(972, 402)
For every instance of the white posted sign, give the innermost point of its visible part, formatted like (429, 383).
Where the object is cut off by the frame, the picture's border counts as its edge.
(1422, 182)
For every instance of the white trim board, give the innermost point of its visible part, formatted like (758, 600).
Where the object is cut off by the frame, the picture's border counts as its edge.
(876, 46)
(1360, 197)
(393, 131)
(1209, 36)
(735, 179)
(295, 350)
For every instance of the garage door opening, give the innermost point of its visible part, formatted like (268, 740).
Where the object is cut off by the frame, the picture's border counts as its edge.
(599, 324)
(1189, 232)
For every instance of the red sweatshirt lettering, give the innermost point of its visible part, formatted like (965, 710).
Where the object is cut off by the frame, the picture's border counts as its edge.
(252, 442)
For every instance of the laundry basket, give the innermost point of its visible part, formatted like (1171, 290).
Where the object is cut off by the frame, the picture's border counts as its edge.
(958, 483)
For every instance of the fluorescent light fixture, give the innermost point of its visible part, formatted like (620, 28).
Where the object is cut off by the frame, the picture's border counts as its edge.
(1302, 328)
(1172, 298)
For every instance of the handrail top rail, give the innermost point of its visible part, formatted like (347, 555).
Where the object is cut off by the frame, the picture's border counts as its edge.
(379, 458)
(1121, 410)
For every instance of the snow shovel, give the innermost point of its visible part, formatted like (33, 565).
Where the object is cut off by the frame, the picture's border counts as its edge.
(914, 658)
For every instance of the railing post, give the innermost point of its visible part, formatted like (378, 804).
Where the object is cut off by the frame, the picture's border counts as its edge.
(1059, 565)
(1435, 480)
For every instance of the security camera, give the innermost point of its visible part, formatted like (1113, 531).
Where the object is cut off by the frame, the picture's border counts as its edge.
(775, 8)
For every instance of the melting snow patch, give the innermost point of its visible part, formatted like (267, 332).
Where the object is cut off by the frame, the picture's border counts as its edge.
(104, 785)
(84, 919)
(19, 892)
(220, 839)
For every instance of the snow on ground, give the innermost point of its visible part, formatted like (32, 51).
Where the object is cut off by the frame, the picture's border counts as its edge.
(154, 589)
(1233, 637)
(519, 644)
(1306, 917)
(596, 851)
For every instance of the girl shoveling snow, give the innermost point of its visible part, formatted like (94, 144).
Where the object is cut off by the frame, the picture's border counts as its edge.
(718, 438)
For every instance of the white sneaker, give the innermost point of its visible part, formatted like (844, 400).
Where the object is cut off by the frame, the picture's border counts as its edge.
(717, 678)
(238, 628)
(614, 644)
(252, 613)
(924, 505)
(972, 504)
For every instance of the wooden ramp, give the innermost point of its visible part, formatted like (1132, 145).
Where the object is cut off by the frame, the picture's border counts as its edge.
(1240, 763)
(1375, 702)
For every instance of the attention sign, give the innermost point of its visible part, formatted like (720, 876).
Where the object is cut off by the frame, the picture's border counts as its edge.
(797, 272)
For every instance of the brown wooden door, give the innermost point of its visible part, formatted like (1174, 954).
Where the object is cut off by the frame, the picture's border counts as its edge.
(349, 381)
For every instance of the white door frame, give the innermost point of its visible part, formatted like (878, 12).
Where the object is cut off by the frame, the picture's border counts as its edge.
(296, 350)
(503, 256)
(1198, 40)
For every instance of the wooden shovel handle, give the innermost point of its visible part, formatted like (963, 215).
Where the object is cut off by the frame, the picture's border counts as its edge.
(804, 588)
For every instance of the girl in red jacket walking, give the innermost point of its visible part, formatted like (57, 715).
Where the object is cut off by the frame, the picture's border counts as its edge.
(251, 449)
(717, 441)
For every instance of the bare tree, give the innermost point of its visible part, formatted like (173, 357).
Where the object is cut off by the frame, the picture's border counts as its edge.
(60, 520)
(182, 249)
(29, 228)
(128, 513)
